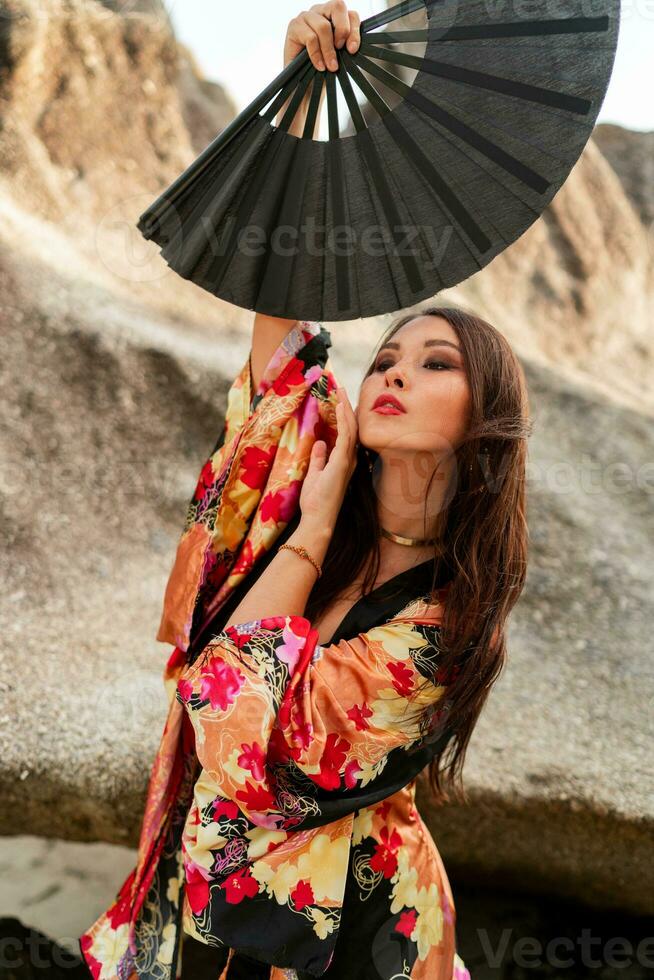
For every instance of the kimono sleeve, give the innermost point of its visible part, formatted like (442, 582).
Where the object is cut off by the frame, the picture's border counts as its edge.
(249, 487)
(267, 701)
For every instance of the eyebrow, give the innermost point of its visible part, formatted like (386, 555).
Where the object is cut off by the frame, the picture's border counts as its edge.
(428, 343)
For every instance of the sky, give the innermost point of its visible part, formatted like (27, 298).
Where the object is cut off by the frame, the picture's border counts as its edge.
(241, 46)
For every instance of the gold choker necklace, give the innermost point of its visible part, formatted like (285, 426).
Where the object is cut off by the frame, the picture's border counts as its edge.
(413, 542)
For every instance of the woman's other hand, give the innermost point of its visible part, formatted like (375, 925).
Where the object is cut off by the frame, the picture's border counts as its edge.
(322, 29)
(326, 480)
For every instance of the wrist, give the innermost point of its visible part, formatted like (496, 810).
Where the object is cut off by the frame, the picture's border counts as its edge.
(314, 536)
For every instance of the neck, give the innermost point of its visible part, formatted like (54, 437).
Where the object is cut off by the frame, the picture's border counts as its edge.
(400, 481)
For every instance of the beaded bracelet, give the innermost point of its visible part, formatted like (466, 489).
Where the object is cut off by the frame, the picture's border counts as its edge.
(303, 553)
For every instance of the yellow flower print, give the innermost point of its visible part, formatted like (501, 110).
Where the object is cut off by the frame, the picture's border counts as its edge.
(322, 924)
(172, 891)
(405, 891)
(362, 825)
(261, 838)
(282, 882)
(289, 437)
(109, 947)
(428, 930)
(167, 947)
(231, 767)
(229, 530)
(369, 772)
(398, 639)
(325, 866)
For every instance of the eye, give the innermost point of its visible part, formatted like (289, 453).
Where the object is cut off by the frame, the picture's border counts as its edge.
(384, 364)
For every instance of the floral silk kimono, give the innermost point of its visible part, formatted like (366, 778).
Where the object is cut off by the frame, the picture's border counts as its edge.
(280, 823)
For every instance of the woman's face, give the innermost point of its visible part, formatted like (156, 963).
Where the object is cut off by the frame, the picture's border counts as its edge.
(423, 368)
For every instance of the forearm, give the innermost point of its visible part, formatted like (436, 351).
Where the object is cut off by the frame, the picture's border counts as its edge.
(284, 586)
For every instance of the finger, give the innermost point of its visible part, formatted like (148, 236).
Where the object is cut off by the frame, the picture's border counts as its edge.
(354, 39)
(302, 34)
(349, 414)
(323, 29)
(343, 444)
(318, 455)
(341, 21)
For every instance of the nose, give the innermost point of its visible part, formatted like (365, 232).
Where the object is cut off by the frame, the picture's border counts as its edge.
(394, 375)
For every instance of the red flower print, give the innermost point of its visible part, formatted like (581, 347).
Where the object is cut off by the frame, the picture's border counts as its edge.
(407, 922)
(220, 683)
(225, 808)
(205, 481)
(279, 506)
(240, 885)
(359, 716)
(383, 809)
(176, 658)
(331, 761)
(255, 466)
(385, 857)
(245, 560)
(256, 798)
(302, 895)
(94, 965)
(120, 910)
(197, 887)
(252, 758)
(290, 377)
(278, 751)
(403, 677)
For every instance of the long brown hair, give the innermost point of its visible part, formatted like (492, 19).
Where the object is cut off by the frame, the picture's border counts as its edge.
(483, 541)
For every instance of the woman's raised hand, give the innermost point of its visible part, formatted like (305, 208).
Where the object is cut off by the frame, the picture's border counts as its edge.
(327, 480)
(320, 30)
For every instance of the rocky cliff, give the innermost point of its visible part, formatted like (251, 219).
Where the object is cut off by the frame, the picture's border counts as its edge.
(113, 379)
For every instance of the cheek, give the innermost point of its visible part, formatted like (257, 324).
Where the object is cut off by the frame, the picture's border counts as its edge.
(446, 407)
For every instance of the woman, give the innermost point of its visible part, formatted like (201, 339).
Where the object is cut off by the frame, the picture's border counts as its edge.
(337, 608)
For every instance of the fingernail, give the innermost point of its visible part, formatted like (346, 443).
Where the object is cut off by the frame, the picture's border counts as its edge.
(352, 46)
(321, 66)
(333, 64)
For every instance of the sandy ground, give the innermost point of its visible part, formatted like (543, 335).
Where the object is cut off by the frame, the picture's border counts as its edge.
(60, 887)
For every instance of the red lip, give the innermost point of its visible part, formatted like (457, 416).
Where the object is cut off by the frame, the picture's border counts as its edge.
(389, 399)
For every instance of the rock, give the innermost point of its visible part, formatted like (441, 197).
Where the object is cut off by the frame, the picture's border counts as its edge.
(113, 379)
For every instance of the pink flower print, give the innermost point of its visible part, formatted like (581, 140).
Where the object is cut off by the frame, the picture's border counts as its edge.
(253, 759)
(185, 689)
(220, 683)
(279, 506)
(197, 887)
(289, 651)
(448, 911)
(351, 771)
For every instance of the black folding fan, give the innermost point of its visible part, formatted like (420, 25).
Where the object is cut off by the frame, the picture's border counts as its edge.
(421, 194)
